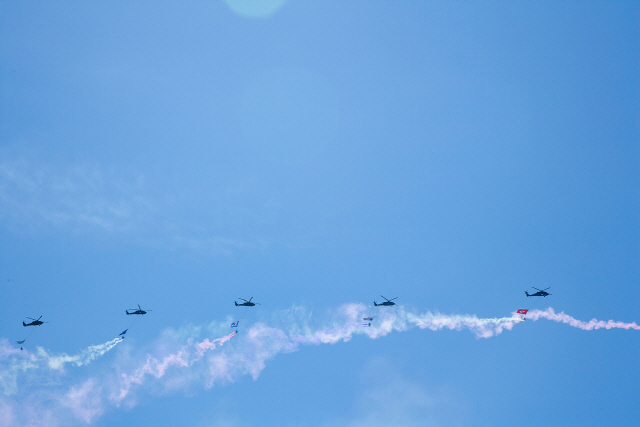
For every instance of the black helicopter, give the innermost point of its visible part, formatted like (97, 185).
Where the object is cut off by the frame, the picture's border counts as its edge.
(138, 311)
(246, 303)
(387, 302)
(36, 322)
(540, 293)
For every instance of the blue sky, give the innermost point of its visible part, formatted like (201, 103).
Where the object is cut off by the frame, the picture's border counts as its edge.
(311, 155)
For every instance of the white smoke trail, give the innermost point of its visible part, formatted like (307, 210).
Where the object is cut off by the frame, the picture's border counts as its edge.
(550, 314)
(21, 361)
(399, 320)
(83, 358)
(185, 357)
(262, 342)
(195, 362)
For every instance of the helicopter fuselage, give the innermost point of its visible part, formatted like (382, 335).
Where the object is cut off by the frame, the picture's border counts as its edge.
(34, 323)
(537, 294)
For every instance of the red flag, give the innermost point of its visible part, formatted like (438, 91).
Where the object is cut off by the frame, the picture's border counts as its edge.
(522, 311)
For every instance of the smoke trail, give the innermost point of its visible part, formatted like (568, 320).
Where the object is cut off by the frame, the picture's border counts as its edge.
(400, 320)
(185, 357)
(550, 314)
(83, 358)
(22, 361)
(262, 342)
(192, 361)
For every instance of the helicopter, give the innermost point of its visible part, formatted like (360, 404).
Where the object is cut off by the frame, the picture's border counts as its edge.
(540, 293)
(138, 311)
(36, 322)
(387, 302)
(246, 303)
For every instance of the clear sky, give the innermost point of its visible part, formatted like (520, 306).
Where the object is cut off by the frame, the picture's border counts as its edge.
(312, 154)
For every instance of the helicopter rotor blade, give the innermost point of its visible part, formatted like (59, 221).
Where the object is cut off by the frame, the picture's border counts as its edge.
(393, 299)
(250, 299)
(243, 299)
(33, 318)
(536, 288)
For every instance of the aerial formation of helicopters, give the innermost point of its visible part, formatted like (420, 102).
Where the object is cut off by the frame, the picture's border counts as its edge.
(248, 303)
